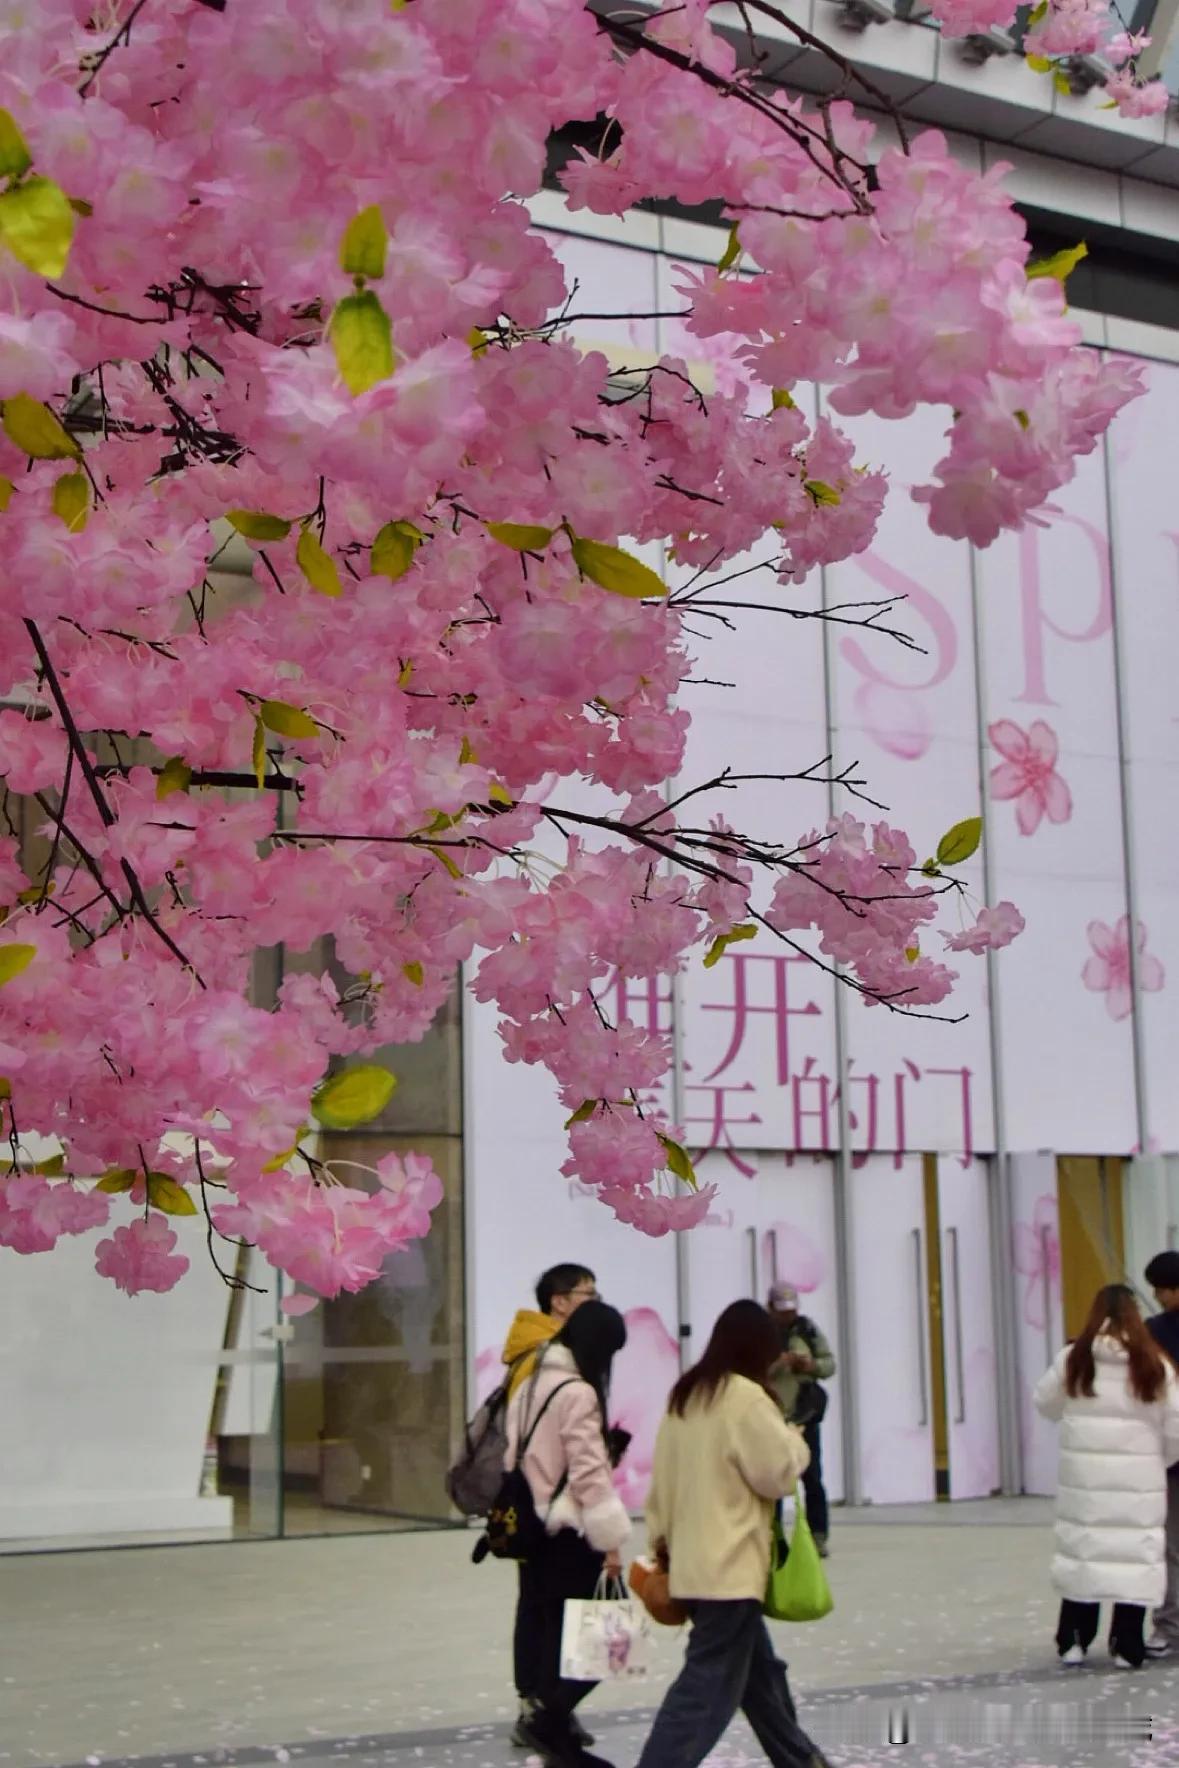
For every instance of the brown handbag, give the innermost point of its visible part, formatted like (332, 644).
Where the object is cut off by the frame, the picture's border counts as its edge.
(649, 1581)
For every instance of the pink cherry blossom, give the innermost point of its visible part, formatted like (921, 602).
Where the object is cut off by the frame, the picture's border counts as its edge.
(141, 1256)
(992, 929)
(1028, 773)
(1107, 971)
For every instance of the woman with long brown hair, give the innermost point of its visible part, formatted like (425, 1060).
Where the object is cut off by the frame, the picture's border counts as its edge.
(724, 1457)
(1117, 1402)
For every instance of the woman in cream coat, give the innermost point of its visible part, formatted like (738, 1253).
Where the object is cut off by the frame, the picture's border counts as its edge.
(723, 1458)
(1117, 1403)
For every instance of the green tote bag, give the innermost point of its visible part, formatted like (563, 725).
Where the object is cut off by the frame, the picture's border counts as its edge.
(797, 1589)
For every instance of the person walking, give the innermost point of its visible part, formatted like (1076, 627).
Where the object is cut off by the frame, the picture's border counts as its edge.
(559, 1415)
(560, 1291)
(724, 1456)
(806, 1361)
(1162, 1273)
(1116, 1399)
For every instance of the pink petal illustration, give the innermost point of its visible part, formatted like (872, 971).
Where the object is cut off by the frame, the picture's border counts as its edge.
(1095, 974)
(1029, 810)
(1007, 780)
(1042, 744)
(1118, 999)
(1103, 939)
(1151, 975)
(1058, 800)
(1008, 739)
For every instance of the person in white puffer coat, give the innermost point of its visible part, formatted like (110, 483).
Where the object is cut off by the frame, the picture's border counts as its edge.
(1116, 1399)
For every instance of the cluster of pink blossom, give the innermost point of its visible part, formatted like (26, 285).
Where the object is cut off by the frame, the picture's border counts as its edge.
(1059, 30)
(269, 278)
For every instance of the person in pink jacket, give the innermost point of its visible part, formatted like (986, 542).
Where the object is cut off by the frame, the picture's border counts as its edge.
(559, 1415)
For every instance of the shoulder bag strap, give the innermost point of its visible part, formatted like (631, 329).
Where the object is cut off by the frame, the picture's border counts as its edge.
(527, 1436)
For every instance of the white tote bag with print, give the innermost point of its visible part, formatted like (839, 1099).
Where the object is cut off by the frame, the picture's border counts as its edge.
(607, 1638)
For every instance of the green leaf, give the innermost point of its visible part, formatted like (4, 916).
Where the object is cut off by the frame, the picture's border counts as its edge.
(257, 525)
(362, 339)
(353, 1096)
(14, 959)
(1062, 83)
(1060, 265)
(174, 776)
(286, 720)
(912, 952)
(1039, 64)
(613, 569)
(583, 1113)
(414, 973)
(280, 1160)
(958, 843)
(164, 1193)
(497, 794)
(45, 1169)
(258, 753)
(393, 549)
(362, 249)
(1022, 419)
(36, 431)
(679, 1163)
(820, 493)
(5, 1087)
(1038, 12)
(71, 500)
(6, 490)
(731, 252)
(15, 158)
(779, 397)
(37, 225)
(119, 1178)
(443, 858)
(80, 206)
(317, 565)
(931, 869)
(520, 536)
(721, 943)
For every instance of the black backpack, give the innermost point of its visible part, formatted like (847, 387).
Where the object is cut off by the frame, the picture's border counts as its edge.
(514, 1529)
(474, 1481)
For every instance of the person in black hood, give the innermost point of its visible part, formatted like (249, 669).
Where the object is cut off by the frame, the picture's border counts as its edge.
(1162, 1273)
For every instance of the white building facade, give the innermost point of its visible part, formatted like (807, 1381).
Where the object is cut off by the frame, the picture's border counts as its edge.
(946, 1197)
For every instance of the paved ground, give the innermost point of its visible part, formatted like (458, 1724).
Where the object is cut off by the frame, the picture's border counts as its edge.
(391, 1652)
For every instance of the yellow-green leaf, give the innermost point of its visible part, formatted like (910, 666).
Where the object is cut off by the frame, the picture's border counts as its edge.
(520, 536)
(119, 1178)
(1038, 12)
(731, 252)
(317, 565)
(1060, 265)
(15, 158)
(405, 674)
(165, 1194)
(174, 776)
(912, 952)
(353, 1096)
(618, 571)
(679, 1162)
(1062, 83)
(781, 396)
(393, 549)
(285, 720)
(37, 225)
(257, 525)
(5, 1087)
(258, 753)
(6, 490)
(583, 1113)
(958, 843)
(497, 794)
(14, 959)
(414, 973)
(441, 855)
(362, 339)
(80, 206)
(477, 339)
(362, 249)
(71, 500)
(36, 431)
(723, 940)
(45, 1169)
(821, 493)
(1039, 64)
(280, 1160)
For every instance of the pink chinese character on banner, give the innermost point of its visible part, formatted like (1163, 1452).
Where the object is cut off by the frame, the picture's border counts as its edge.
(738, 966)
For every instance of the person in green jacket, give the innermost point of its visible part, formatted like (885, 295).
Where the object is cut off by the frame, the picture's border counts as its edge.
(806, 1362)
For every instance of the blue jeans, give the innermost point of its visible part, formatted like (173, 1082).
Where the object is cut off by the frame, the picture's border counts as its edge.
(730, 1663)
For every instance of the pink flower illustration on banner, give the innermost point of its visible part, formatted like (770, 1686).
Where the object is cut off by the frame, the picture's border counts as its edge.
(1108, 970)
(1037, 1257)
(1028, 773)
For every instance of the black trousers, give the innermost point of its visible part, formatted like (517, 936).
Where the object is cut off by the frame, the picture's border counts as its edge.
(729, 1663)
(1079, 1622)
(566, 1566)
(812, 1481)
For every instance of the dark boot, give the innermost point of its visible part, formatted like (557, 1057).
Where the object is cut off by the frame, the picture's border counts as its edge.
(556, 1742)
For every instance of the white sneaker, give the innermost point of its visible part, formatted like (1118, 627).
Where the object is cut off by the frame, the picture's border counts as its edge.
(1159, 1645)
(1120, 1663)
(1074, 1655)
